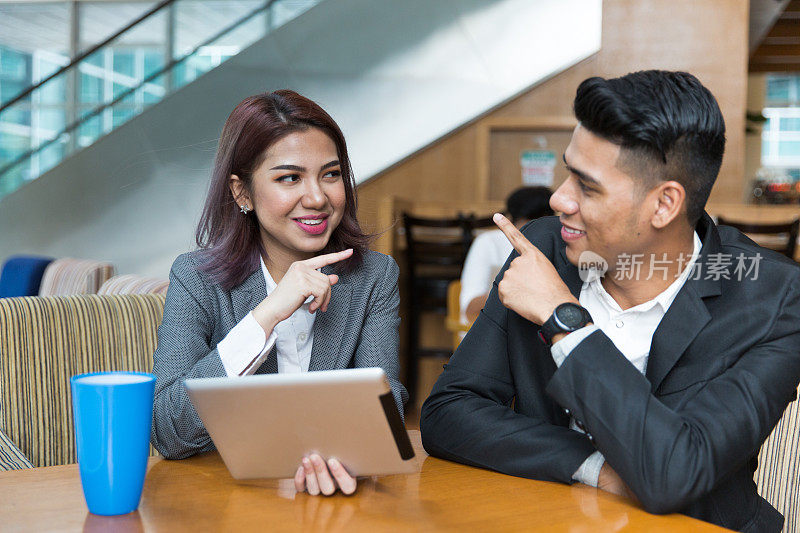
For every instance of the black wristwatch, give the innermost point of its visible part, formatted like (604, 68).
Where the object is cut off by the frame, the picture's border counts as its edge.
(567, 317)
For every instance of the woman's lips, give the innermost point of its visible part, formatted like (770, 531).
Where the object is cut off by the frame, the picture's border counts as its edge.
(314, 228)
(569, 234)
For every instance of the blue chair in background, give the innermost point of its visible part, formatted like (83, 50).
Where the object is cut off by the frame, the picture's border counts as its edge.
(22, 275)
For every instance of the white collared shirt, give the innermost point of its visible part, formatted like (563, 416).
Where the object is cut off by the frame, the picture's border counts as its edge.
(486, 256)
(246, 346)
(630, 330)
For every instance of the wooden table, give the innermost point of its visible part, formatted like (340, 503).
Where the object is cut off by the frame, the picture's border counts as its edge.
(198, 494)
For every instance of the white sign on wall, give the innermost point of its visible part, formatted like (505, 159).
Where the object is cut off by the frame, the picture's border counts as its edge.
(538, 167)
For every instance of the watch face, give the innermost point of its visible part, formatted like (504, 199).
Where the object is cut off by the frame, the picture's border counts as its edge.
(570, 315)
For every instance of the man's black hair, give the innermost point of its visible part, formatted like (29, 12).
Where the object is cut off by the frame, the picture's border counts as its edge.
(529, 203)
(668, 125)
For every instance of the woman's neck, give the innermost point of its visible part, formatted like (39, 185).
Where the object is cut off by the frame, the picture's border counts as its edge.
(278, 262)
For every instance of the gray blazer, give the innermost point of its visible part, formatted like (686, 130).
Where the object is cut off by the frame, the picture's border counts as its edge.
(358, 330)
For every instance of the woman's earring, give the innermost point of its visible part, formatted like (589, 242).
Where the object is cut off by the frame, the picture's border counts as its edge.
(244, 209)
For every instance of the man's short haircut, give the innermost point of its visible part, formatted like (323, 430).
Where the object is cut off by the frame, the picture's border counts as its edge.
(529, 203)
(668, 125)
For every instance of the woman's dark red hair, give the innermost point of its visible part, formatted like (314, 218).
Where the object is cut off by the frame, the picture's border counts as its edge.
(230, 240)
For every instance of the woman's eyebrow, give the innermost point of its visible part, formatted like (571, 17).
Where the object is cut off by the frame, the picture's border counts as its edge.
(296, 168)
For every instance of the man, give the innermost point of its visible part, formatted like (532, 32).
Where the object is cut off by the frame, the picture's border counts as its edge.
(490, 249)
(661, 378)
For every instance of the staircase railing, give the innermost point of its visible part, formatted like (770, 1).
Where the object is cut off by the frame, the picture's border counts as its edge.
(11, 172)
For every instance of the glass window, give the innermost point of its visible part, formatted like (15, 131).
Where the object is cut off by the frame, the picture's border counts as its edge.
(153, 62)
(12, 145)
(120, 89)
(15, 73)
(789, 148)
(780, 138)
(121, 116)
(91, 89)
(90, 130)
(124, 62)
(50, 156)
(52, 92)
(18, 114)
(14, 65)
(153, 91)
(790, 124)
(783, 90)
(778, 90)
(51, 121)
(97, 59)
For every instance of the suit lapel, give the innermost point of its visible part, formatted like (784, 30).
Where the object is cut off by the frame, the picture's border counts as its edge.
(244, 298)
(688, 314)
(329, 328)
(248, 294)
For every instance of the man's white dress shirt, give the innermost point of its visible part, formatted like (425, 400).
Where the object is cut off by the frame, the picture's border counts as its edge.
(630, 330)
(246, 346)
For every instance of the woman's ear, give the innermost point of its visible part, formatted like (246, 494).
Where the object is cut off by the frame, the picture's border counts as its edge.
(238, 191)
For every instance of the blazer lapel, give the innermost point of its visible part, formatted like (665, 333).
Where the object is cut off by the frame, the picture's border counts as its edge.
(329, 328)
(244, 298)
(248, 294)
(688, 314)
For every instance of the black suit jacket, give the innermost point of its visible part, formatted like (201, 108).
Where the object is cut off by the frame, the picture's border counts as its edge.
(724, 363)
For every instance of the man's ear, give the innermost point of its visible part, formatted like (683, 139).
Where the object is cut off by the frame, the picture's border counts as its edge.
(239, 192)
(670, 201)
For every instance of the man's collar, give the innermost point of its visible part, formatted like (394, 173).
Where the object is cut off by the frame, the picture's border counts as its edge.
(703, 284)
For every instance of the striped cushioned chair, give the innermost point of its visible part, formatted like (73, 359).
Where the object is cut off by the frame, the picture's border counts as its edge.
(132, 284)
(45, 341)
(67, 276)
(778, 472)
(10, 456)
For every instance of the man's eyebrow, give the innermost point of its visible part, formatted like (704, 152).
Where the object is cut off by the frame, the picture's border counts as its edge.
(581, 175)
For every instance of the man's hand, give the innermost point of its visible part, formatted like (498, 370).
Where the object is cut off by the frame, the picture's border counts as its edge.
(609, 481)
(531, 287)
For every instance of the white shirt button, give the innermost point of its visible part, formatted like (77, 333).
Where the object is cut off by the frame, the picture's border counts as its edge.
(302, 337)
(620, 323)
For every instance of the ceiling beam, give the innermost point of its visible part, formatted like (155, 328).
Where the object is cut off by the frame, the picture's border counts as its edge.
(785, 28)
(767, 50)
(773, 67)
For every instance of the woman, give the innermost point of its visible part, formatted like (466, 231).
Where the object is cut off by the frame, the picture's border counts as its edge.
(283, 280)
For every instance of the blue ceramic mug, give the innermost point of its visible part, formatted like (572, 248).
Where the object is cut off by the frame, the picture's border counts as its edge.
(113, 413)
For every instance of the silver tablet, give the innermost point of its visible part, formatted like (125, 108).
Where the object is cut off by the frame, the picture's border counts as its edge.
(263, 425)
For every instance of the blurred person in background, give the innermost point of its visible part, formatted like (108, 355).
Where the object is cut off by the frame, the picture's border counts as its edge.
(490, 249)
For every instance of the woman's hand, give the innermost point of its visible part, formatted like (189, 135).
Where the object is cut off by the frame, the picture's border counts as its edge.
(300, 281)
(315, 476)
